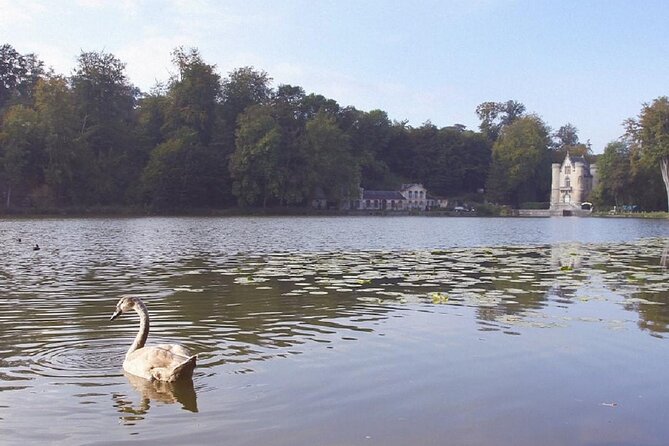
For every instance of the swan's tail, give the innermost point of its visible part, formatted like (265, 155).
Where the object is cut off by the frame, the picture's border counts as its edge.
(181, 371)
(185, 369)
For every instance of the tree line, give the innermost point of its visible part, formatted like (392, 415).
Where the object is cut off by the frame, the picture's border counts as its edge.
(93, 140)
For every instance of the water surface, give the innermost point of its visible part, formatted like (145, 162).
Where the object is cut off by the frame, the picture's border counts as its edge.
(339, 331)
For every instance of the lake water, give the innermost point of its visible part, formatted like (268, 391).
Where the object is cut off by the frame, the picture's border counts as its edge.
(339, 331)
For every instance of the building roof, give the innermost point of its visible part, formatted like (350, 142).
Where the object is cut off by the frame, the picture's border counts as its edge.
(577, 159)
(382, 195)
(410, 185)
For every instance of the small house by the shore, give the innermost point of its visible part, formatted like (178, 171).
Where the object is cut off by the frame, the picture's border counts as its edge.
(412, 196)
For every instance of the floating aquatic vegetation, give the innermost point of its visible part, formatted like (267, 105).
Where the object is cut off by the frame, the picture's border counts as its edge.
(638, 300)
(496, 281)
(439, 298)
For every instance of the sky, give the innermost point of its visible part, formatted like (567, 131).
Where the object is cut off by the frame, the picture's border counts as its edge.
(591, 63)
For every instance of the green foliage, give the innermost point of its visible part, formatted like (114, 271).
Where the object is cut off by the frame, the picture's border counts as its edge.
(91, 139)
(243, 88)
(520, 163)
(615, 175)
(535, 205)
(181, 173)
(19, 74)
(67, 172)
(17, 141)
(193, 96)
(255, 163)
(495, 116)
(566, 136)
(105, 102)
(649, 135)
(331, 165)
(488, 210)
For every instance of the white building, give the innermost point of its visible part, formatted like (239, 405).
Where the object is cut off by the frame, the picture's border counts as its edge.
(572, 183)
(411, 196)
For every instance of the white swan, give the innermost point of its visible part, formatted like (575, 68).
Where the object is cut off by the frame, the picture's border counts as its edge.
(163, 362)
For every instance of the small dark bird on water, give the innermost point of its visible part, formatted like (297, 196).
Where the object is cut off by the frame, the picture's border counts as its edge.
(36, 247)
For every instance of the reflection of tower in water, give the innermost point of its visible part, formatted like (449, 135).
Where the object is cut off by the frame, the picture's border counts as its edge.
(567, 256)
(664, 259)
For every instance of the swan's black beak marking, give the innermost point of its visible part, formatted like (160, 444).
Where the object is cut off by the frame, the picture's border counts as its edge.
(116, 314)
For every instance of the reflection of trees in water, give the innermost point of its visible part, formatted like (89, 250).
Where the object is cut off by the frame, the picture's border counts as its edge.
(569, 269)
(653, 310)
(235, 322)
(131, 412)
(638, 274)
(517, 293)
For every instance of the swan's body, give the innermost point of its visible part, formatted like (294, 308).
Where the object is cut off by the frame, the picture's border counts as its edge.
(163, 362)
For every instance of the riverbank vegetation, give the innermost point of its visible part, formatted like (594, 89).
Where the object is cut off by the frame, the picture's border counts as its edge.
(202, 141)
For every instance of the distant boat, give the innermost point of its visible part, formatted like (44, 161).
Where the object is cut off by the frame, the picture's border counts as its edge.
(36, 247)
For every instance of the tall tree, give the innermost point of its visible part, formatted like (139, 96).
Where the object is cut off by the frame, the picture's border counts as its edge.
(255, 163)
(17, 140)
(566, 140)
(615, 174)
(67, 179)
(332, 166)
(18, 75)
(496, 115)
(151, 117)
(520, 169)
(183, 174)
(370, 134)
(194, 94)
(476, 161)
(291, 115)
(188, 168)
(242, 88)
(567, 135)
(649, 134)
(105, 100)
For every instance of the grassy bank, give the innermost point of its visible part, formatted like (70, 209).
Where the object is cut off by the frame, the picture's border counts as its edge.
(632, 215)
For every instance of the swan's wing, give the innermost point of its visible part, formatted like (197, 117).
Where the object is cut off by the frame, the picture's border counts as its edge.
(165, 357)
(174, 349)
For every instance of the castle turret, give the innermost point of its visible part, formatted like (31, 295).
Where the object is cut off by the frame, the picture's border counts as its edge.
(579, 187)
(555, 185)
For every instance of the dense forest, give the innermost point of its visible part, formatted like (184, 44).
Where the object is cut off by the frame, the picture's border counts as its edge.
(92, 140)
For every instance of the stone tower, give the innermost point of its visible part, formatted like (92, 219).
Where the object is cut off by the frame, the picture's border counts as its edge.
(572, 181)
(555, 184)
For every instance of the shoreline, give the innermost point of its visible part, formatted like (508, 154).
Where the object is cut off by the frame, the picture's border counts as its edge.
(130, 212)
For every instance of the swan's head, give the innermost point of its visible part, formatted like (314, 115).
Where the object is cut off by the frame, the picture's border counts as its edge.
(125, 304)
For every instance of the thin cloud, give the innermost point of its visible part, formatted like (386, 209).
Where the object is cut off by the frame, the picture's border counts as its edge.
(24, 13)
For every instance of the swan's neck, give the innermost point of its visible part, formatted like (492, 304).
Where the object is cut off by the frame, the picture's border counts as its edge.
(140, 339)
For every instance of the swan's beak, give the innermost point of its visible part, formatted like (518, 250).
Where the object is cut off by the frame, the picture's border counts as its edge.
(116, 314)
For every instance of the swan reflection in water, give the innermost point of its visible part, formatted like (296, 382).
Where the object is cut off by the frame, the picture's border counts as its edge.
(161, 392)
